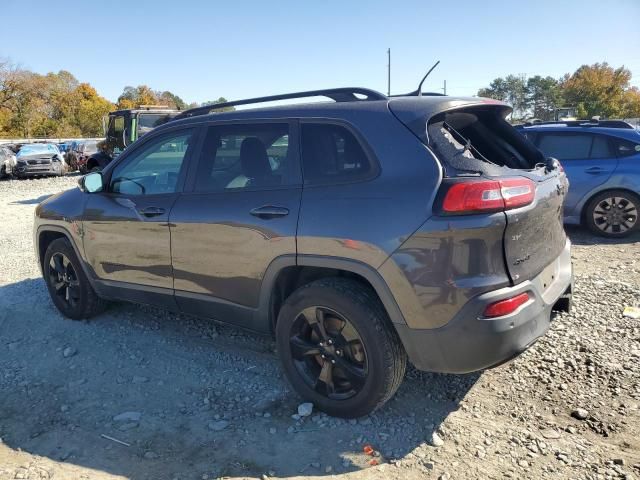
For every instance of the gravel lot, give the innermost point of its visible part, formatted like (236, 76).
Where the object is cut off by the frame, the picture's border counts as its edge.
(143, 394)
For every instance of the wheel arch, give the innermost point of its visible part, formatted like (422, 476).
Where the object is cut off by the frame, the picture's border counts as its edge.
(47, 234)
(284, 275)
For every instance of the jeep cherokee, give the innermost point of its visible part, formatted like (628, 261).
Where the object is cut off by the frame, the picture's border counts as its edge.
(361, 232)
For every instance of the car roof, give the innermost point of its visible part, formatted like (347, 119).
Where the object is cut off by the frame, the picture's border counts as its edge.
(423, 106)
(626, 133)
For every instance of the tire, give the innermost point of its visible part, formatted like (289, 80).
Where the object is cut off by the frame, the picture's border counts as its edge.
(365, 373)
(76, 298)
(613, 213)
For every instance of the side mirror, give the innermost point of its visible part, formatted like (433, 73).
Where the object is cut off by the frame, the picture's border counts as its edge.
(91, 183)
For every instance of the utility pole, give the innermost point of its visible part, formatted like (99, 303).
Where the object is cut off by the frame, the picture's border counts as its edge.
(444, 89)
(389, 72)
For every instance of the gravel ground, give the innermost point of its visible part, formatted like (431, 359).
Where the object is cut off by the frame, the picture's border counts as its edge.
(144, 394)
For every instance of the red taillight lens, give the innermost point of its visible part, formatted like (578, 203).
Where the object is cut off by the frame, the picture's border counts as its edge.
(488, 195)
(505, 307)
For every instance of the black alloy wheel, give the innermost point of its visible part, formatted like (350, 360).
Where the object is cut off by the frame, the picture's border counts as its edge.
(68, 285)
(328, 353)
(338, 347)
(64, 280)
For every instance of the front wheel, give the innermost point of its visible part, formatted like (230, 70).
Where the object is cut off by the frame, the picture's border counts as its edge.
(613, 213)
(338, 347)
(67, 283)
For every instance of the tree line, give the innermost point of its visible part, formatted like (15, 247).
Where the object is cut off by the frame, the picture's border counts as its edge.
(59, 105)
(594, 90)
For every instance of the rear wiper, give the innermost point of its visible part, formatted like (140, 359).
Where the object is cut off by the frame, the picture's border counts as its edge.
(466, 142)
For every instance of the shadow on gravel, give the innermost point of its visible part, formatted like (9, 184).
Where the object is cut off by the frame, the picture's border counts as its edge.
(186, 398)
(582, 236)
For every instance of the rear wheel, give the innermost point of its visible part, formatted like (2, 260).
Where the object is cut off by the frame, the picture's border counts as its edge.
(68, 286)
(338, 349)
(613, 213)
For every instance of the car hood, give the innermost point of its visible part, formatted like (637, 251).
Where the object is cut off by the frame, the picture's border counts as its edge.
(37, 156)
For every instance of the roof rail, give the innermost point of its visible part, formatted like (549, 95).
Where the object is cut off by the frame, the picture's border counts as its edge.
(582, 123)
(336, 94)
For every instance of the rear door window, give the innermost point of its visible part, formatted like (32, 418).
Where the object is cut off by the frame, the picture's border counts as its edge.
(566, 146)
(247, 157)
(601, 148)
(332, 154)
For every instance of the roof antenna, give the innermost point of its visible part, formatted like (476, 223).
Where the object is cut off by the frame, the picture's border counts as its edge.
(418, 92)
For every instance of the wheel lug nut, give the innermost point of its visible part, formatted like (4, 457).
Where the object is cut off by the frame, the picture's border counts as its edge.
(333, 362)
(323, 356)
(330, 342)
(321, 344)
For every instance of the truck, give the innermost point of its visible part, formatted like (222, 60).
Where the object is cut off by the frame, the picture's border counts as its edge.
(123, 127)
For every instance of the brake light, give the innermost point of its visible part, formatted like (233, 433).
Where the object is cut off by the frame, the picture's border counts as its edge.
(507, 306)
(489, 195)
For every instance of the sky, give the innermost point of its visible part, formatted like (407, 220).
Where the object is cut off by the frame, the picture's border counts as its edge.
(201, 50)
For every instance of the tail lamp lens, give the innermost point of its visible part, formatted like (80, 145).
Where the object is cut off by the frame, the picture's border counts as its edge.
(488, 195)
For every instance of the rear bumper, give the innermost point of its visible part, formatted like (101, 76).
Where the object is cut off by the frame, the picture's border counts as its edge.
(470, 342)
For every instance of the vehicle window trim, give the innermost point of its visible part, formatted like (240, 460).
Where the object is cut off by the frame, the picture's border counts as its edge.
(294, 173)
(622, 139)
(376, 170)
(124, 158)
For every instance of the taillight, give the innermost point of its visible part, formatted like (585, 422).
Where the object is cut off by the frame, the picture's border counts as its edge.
(488, 195)
(505, 307)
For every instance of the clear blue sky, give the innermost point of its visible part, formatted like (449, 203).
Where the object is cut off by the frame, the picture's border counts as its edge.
(201, 50)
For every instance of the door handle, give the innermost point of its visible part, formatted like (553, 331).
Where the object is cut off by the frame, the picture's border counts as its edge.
(269, 211)
(152, 211)
(594, 170)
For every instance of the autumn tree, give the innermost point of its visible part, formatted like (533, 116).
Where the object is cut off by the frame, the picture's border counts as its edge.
(51, 105)
(599, 89)
(133, 97)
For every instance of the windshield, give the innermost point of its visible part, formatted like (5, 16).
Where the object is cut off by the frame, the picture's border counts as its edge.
(147, 122)
(38, 148)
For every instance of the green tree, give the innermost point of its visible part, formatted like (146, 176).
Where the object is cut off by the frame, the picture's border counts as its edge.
(219, 100)
(513, 90)
(544, 95)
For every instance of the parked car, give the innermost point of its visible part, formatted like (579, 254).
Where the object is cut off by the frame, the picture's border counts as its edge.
(602, 161)
(84, 150)
(359, 232)
(7, 161)
(36, 159)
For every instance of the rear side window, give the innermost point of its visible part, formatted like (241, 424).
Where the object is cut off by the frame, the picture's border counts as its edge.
(625, 148)
(566, 147)
(332, 154)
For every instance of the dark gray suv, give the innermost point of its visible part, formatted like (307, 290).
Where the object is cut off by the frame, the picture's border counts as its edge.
(360, 232)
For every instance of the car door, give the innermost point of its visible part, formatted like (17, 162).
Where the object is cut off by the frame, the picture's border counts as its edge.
(126, 231)
(239, 214)
(588, 160)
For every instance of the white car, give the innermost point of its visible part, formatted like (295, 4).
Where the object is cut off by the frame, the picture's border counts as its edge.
(7, 161)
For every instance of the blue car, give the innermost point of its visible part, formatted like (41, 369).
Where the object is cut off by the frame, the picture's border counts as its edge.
(602, 161)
